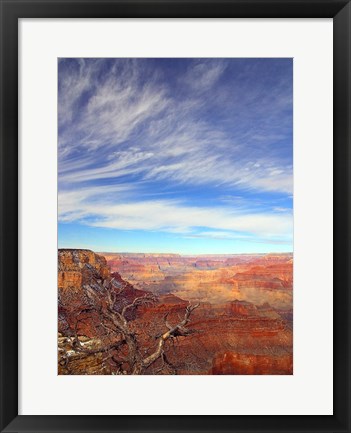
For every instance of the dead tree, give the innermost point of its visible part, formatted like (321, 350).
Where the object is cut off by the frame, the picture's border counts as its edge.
(124, 348)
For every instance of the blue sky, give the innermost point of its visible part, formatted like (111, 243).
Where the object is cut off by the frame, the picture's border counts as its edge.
(191, 156)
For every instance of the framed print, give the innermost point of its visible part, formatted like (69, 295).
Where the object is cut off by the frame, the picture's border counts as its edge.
(175, 193)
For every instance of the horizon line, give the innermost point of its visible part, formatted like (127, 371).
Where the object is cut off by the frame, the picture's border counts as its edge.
(182, 254)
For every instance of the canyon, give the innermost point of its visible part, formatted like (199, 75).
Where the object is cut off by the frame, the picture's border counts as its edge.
(242, 321)
(210, 278)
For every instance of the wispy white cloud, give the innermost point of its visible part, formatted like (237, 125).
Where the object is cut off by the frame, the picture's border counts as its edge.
(126, 113)
(203, 74)
(95, 113)
(124, 131)
(233, 236)
(108, 207)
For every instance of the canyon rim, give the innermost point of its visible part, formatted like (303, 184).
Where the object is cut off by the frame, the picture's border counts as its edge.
(175, 225)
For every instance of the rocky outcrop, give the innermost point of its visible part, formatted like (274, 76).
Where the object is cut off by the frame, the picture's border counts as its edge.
(242, 308)
(79, 270)
(79, 364)
(78, 267)
(79, 320)
(272, 276)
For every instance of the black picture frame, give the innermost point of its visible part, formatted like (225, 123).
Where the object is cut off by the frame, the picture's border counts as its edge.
(11, 11)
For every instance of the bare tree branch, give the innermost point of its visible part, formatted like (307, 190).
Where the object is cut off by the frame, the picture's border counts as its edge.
(116, 322)
(166, 323)
(177, 330)
(147, 299)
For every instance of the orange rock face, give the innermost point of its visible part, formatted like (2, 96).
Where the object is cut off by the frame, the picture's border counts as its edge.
(69, 279)
(236, 363)
(218, 330)
(72, 263)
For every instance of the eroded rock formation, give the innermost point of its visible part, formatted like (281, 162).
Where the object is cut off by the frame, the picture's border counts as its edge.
(234, 335)
(216, 279)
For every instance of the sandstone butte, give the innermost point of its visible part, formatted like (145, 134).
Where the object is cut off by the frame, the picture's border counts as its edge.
(243, 332)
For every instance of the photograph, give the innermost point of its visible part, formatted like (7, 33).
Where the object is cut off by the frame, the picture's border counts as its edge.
(175, 216)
